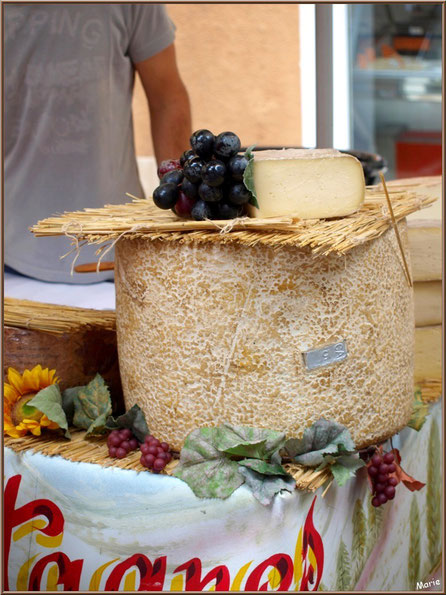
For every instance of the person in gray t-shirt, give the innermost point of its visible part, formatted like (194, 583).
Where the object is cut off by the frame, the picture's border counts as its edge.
(68, 83)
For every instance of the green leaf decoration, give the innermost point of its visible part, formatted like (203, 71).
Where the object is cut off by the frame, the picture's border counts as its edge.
(264, 488)
(359, 544)
(49, 401)
(419, 412)
(433, 495)
(375, 519)
(92, 406)
(263, 467)
(248, 176)
(343, 467)
(253, 443)
(322, 438)
(414, 545)
(207, 471)
(68, 396)
(133, 419)
(343, 578)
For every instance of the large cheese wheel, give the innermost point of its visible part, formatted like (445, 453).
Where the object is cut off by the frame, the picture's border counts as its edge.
(211, 332)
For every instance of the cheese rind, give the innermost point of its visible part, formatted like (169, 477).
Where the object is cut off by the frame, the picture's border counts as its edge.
(306, 183)
(425, 249)
(211, 333)
(428, 302)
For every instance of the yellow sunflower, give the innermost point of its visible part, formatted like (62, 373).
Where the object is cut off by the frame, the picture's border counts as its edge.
(20, 418)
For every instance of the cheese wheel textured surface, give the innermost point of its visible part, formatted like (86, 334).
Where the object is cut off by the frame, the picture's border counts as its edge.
(210, 333)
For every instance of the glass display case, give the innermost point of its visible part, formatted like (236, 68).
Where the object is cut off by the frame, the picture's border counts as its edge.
(378, 82)
(396, 85)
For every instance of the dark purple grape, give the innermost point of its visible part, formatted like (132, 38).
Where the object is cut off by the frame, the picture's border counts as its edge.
(114, 440)
(152, 450)
(227, 144)
(380, 487)
(213, 173)
(391, 468)
(382, 498)
(388, 458)
(239, 194)
(112, 451)
(201, 211)
(121, 453)
(159, 464)
(376, 502)
(210, 193)
(202, 142)
(168, 165)
(381, 478)
(189, 189)
(392, 481)
(154, 441)
(173, 177)
(184, 205)
(390, 492)
(148, 460)
(125, 433)
(225, 210)
(162, 455)
(164, 446)
(372, 471)
(133, 443)
(143, 448)
(165, 196)
(192, 170)
(169, 457)
(376, 460)
(383, 469)
(236, 167)
(189, 154)
(125, 444)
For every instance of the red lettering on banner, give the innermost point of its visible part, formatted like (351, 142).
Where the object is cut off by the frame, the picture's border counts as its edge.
(313, 540)
(151, 576)
(194, 582)
(69, 572)
(16, 516)
(282, 562)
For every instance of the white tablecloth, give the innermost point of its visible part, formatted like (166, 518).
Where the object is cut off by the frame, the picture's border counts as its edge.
(99, 296)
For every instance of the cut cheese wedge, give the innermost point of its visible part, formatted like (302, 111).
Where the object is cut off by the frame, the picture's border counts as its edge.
(306, 183)
(428, 302)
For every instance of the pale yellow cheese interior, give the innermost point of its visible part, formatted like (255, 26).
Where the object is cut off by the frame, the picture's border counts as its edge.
(307, 183)
(428, 353)
(428, 302)
(425, 242)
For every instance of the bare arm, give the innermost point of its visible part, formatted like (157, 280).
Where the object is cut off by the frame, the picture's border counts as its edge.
(169, 107)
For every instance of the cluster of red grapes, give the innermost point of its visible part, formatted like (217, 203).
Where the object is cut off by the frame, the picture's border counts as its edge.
(121, 442)
(383, 483)
(155, 454)
(207, 181)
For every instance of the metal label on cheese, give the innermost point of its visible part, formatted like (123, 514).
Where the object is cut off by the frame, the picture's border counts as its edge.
(325, 356)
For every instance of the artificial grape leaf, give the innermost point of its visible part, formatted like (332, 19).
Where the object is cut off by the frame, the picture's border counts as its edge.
(322, 438)
(92, 406)
(49, 401)
(411, 483)
(419, 412)
(253, 443)
(343, 467)
(248, 176)
(207, 471)
(263, 467)
(133, 419)
(263, 487)
(68, 401)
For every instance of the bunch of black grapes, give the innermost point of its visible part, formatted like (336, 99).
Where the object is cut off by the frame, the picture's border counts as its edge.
(207, 181)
